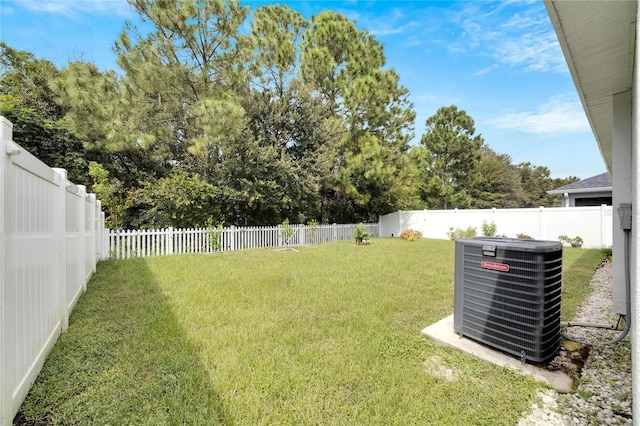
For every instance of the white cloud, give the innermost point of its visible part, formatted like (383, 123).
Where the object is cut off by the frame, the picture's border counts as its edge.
(386, 29)
(413, 41)
(562, 114)
(75, 7)
(486, 70)
(510, 34)
(391, 23)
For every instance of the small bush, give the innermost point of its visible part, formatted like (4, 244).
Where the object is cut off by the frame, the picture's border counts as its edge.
(489, 229)
(454, 234)
(524, 237)
(361, 234)
(410, 234)
(572, 241)
(214, 233)
(286, 231)
(313, 227)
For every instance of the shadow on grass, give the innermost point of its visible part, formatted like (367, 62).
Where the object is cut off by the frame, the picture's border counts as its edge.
(124, 360)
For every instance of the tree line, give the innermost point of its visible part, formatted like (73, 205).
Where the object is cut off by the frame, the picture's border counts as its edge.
(294, 119)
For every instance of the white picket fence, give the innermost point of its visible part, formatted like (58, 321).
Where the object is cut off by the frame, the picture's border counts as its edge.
(157, 242)
(51, 236)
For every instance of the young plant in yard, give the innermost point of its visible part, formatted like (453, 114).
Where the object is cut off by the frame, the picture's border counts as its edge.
(361, 234)
(489, 229)
(454, 234)
(213, 234)
(411, 235)
(286, 231)
(313, 227)
(572, 241)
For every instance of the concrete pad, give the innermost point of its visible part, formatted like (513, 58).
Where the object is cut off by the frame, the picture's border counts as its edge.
(442, 332)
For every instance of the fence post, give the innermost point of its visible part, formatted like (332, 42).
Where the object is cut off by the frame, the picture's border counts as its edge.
(6, 134)
(170, 238)
(92, 235)
(603, 225)
(60, 235)
(82, 224)
(541, 223)
(116, 245)
(232, 230)
(98, 227)
(99, 231)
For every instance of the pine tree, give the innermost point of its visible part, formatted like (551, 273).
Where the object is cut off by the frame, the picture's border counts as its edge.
(448, 158)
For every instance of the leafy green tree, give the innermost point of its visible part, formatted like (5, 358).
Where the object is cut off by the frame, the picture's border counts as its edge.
(176, 104)
(499, 185)
(111, 193)
(448, 158)
(181, 200)
(274, 42)
(50, 141)
(536, 181)
(275, 169)
(183, 76)
(175, 98)
(27, 78)
(345, 66)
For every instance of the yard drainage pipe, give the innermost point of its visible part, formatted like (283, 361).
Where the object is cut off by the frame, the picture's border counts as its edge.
(627, 317)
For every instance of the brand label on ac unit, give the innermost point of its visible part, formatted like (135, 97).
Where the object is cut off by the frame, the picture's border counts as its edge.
(501, 267)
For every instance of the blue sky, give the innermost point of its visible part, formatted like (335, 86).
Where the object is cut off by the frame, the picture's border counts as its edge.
(499, 61)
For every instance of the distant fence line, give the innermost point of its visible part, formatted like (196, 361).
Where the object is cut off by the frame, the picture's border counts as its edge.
(157, 242)
(593, 224)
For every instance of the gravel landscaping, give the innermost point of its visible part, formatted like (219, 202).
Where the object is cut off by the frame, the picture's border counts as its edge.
(603, 390)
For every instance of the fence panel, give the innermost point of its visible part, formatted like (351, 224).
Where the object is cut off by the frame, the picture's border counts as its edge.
(75, 231)
(593, 224)
(31, 303)
(44, 259)
(155, 242)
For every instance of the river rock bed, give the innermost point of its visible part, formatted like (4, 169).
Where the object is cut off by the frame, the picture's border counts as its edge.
(602, 393)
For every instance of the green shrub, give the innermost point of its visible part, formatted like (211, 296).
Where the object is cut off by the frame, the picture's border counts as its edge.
(489, 229)
(410, 234)
(313, 227)
(572, 241)
(286, 231)
(524, 236)
(360, 234)
(214, 233)
(454, 234)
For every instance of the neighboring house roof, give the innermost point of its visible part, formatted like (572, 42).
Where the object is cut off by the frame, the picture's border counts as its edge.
(598, 183)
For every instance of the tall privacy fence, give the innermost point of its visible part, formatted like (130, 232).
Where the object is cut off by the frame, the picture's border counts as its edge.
(593, 224)
(154, 242)
(51, 236)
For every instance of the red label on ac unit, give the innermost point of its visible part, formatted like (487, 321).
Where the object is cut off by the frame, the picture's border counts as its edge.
(502, 267)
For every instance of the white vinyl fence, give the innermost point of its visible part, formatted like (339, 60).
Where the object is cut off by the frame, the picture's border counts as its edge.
(593, 224)
(51, 236)
(156, 242)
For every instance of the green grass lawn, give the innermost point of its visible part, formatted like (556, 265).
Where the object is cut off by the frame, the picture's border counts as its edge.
(327, 335)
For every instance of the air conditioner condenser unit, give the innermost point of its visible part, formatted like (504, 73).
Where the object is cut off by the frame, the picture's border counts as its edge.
(508, 295)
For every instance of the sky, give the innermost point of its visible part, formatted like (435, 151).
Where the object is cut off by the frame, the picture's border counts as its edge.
(500, 61)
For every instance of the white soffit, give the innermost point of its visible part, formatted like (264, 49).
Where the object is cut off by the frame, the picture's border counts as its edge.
(598, 42)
